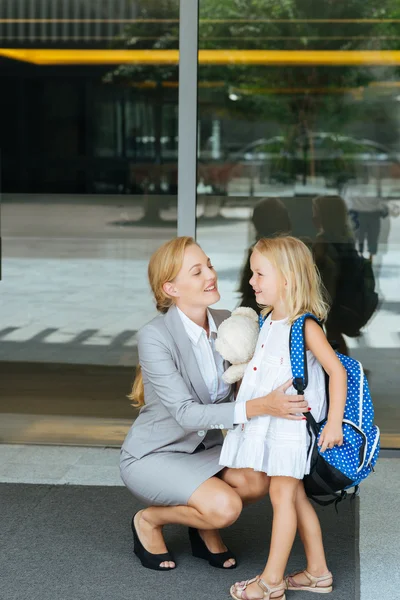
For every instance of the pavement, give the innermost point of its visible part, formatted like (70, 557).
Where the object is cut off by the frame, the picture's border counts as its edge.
(65, 527)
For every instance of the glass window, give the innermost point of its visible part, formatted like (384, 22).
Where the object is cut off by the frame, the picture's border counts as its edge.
(298, 101)
(88, 138)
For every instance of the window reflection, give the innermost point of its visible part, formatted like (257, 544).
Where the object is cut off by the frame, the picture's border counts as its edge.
(89, 191)
(290, 132)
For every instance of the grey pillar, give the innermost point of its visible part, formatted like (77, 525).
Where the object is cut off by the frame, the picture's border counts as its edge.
(187, 127)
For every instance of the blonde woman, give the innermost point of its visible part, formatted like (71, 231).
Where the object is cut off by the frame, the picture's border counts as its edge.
(170, 457)
(287, 284)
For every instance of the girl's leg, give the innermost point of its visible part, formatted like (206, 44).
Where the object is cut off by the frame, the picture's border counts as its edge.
(311, 536)
(214, 505)
(282, 492)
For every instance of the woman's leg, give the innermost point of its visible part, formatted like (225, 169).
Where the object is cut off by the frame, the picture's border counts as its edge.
(373, 231)
(214, 505)
(282, 492)
(311, 536)
(361, 232)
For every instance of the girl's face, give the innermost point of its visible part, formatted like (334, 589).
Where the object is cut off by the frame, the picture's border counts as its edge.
(266, 281)
(195, 285)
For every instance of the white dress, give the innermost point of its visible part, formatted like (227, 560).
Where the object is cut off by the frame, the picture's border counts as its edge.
(274, 445)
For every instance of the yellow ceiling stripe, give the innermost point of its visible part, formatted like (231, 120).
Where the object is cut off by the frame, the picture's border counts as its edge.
(206, 57)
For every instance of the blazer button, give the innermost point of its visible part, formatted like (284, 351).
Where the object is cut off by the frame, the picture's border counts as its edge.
(201, 433)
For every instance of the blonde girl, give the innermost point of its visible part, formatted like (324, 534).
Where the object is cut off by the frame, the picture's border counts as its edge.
(287, 284)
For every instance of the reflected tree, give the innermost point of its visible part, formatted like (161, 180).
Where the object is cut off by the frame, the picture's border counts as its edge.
(299, 99)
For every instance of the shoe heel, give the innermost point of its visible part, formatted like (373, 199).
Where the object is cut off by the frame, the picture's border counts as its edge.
(138, 547)
(197, 545)
(149, 560)
(200, 550)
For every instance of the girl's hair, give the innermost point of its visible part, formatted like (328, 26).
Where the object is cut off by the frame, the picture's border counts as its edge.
(332, 215)
(294, 261)
(164, 265)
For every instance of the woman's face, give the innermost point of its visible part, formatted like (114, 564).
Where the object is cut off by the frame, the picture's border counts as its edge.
(196, 283)
(266, 280)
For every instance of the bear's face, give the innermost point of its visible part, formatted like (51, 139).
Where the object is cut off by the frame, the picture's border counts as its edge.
(237, 338)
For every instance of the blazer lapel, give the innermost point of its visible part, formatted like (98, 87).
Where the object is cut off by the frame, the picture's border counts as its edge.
(176, 328)
(218, 319)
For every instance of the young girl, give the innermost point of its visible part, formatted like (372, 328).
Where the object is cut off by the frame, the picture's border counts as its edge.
(286, 282)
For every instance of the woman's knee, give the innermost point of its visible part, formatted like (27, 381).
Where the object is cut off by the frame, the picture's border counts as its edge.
(223, 509)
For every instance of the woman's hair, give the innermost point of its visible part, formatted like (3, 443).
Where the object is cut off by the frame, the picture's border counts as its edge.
(294, 261)
(270, 218)
(164, 265)
(332, 216)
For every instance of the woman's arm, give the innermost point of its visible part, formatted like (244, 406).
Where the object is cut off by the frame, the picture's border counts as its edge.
(160, 370)
(318, 344)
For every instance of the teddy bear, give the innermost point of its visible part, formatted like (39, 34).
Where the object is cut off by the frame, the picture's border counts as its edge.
(236, 341)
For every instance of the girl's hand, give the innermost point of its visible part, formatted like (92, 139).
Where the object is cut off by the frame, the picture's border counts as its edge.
(332, 435)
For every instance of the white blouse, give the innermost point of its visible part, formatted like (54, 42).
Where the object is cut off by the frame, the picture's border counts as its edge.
(210, 362)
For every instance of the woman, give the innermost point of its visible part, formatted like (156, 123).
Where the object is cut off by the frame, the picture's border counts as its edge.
(270, 219)
(170, 457)
(341, 269)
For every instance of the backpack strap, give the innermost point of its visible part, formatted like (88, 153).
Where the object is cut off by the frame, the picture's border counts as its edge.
(261, 319)
(297, 349)
(298, 362)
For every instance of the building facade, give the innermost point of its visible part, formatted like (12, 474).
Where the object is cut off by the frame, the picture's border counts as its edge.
(125, 123)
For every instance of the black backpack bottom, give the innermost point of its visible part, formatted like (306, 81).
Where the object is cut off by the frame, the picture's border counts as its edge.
(325, 480)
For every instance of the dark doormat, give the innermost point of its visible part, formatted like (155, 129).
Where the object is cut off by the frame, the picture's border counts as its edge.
(74, 543)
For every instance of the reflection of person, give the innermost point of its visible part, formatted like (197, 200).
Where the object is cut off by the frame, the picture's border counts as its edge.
(286, 282)
(333, 247)
(270, 218)
(170, 457)
(367, 210)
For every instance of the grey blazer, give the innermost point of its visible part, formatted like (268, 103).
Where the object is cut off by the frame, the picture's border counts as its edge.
(178, 413)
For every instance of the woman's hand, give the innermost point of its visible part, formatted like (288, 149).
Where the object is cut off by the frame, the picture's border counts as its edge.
(332, 435)
(278, 404)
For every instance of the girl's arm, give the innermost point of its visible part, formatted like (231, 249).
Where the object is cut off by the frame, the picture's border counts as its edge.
(318, 344)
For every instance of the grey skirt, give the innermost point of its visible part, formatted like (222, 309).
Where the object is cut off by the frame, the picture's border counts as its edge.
(168, 478)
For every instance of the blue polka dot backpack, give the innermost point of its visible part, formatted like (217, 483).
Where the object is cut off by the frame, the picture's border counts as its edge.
(342, 467)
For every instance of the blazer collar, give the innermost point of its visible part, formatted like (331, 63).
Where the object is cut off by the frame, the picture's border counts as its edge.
(176, 328)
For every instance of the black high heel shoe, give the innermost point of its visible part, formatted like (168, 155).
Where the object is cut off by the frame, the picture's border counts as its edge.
(149, 560)
(200, 550)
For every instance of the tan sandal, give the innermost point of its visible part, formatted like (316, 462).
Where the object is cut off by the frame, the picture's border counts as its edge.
(313, 583)
(238, 590)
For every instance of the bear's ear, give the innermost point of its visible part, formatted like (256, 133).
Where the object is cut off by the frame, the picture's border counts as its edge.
(234, 373)
(246, 311)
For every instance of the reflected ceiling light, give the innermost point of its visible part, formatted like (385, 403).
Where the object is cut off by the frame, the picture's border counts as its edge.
(233, 97)
(206, 57)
